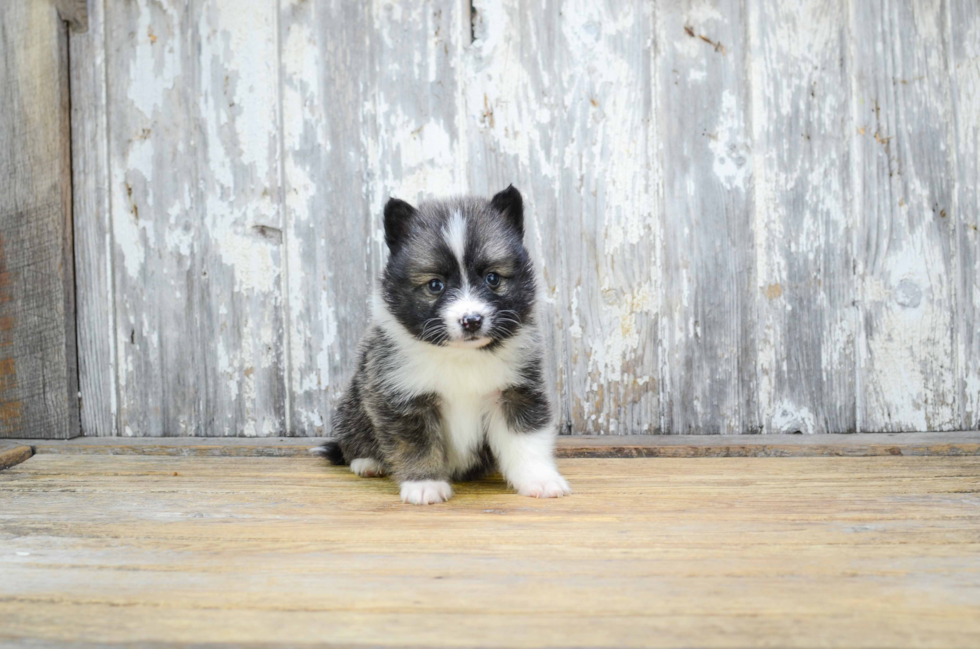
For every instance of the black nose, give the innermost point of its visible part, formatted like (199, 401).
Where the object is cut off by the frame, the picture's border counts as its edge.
(471, 322)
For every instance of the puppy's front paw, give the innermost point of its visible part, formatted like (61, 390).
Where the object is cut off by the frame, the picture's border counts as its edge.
(546, 486)
(426, 492)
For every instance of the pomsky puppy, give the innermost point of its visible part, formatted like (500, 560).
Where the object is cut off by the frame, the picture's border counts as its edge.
(450, 380)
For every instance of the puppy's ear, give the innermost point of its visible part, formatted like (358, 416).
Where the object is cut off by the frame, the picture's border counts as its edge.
(398, 218)
(510, 205)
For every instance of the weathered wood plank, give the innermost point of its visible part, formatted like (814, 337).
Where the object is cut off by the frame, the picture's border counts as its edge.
(413, 127)
(609, 215)
(92, 216)
(902, 189)
(831, 552)
(803, 222)
(776, 445)
(964, 66)
(329, 240)
(710, 292)
(38, 373)
(11, 454)
(196, 215)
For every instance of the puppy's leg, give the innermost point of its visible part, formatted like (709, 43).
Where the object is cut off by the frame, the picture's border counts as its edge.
(415, 451)
(355, 442)
(522, 434)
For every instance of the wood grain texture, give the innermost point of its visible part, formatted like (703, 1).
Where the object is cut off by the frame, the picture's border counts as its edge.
(369, 112)
(92, 215)
(710, 293)
(835, 552)
(195, 195)
(803, 219)
(608, 215)
(38, 375)
(569, 446)
(330, 239)
(903, 190)
(963, 53)
(11, 454)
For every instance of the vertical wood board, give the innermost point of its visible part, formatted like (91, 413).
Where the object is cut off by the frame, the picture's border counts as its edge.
(803, 221)
(329, 239)
(196, 217)
(964, 65)
(92, 216)
(709, 289)
(38, 375)
(903, 191)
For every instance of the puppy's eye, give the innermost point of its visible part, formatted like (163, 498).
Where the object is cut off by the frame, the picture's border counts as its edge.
(493, 280)
(436, 286)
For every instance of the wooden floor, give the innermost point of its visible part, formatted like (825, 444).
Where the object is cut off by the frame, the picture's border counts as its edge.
(709, 552)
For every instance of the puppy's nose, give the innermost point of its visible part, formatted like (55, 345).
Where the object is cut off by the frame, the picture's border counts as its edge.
(471, 322)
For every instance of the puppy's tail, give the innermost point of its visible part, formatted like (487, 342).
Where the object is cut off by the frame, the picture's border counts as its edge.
(330, 450)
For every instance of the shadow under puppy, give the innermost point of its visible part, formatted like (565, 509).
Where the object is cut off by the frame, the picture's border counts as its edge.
(449, 382)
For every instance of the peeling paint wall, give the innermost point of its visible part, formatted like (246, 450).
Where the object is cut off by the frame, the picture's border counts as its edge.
(750, 216)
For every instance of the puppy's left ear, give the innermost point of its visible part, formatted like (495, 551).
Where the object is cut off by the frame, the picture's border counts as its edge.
(510, 205)
(398, 217)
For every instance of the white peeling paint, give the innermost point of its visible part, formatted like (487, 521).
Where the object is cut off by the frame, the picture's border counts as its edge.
(732, 153)
(154, 66)
(788, 418)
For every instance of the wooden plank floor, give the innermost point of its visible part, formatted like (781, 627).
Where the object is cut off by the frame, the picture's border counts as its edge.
(710, 552)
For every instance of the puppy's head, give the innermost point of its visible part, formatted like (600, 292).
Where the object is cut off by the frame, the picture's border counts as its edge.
(458, 274)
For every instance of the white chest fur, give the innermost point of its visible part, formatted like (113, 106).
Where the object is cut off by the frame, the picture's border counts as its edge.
(464, 429)
(468, 382)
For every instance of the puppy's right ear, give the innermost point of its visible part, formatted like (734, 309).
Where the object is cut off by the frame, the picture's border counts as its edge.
(398, 218)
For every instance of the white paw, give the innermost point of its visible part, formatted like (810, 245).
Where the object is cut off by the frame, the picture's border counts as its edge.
(366, 467)
(426, 492)
(548, 486)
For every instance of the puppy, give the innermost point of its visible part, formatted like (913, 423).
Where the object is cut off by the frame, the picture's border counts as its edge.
(450, 382)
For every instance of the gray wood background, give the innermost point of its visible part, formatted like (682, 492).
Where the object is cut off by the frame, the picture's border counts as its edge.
(750, 216)
(38, 376)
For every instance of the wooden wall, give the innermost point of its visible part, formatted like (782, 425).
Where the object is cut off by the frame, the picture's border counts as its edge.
(749, 215)
(38, 376)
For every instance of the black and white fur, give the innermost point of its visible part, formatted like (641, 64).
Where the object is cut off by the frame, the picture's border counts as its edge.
(450, 379)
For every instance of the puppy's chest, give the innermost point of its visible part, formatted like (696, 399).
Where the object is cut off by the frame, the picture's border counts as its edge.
(468, 384)
(468, 393)
(463, 426)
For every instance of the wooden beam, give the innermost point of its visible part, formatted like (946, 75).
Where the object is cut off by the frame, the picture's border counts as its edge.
(38, 377)
(606, 446)
(11, 454)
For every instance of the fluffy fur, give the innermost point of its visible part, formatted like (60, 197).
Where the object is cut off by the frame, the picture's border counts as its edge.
(450, 381)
